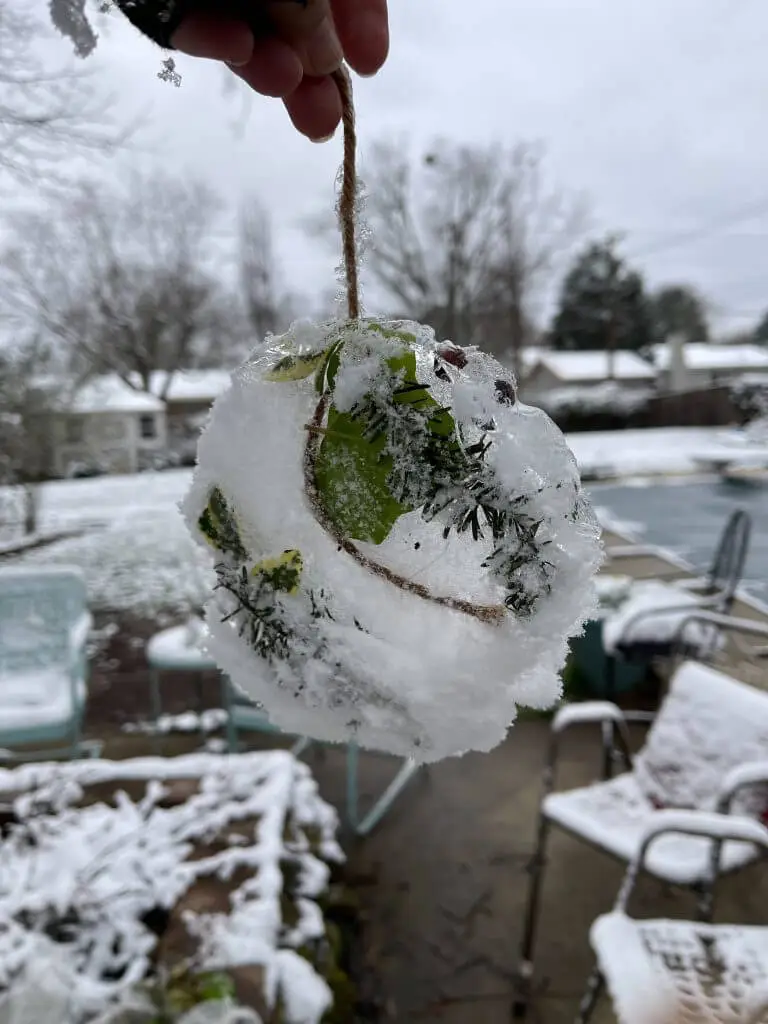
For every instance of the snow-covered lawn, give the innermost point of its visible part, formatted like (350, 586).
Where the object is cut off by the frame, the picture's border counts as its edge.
(652, 452)
(137, 555)
(135, 552)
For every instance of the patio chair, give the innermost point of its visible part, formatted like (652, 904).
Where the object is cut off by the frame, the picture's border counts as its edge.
(674, 972)
(243, 715)
(649, 628)
(44, 626)
(698, 754)
(178, 649)
(731, 550)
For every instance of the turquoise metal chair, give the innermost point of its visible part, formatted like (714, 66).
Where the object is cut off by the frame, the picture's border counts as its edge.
(178, 649)
(243, 715)
(44, 626)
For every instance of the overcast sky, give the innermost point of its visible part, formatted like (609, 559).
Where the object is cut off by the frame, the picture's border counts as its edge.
(656, 109)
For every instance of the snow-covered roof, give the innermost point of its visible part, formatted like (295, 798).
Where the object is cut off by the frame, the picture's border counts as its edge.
(594, 366)
(111, 394)
(703, 356)
(191, 385)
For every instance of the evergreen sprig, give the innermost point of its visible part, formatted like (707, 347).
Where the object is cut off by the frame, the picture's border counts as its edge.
(435, 470)
(260, 618)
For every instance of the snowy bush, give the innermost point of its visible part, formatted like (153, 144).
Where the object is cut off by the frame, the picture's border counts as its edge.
(610, 397)
(401, 548)
(87, 889)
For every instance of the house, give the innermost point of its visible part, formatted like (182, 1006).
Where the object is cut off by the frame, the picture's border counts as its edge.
(553, 371)
(188, 397)
(107, 426)
(701, 365)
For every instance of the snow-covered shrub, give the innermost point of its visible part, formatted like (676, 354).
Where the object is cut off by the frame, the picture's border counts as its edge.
(88, 888)
(610, 397)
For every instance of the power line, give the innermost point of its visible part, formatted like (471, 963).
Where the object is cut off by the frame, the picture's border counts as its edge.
(753, 209)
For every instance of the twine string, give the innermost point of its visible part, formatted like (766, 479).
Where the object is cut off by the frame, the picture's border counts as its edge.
(348, 196)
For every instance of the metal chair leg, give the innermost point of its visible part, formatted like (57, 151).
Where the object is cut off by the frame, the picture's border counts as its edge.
(535, 880)
(156, 707)
(705, 901)
(610, 694)
(361, 827)
(591, 997)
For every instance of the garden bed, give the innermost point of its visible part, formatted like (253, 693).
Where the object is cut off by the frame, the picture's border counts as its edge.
(134, 880)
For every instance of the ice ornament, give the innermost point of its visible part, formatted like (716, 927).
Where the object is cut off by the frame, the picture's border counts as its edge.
(401, 548)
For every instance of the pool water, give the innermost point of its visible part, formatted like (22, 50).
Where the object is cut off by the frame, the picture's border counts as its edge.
(688, 518)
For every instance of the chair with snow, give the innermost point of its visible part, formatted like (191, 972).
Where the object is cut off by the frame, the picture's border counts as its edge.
(707, 749)
(245, 716)
(644, 630)
(44, 626)
(659, 971)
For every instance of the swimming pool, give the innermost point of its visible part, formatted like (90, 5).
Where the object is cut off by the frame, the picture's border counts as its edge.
(688, 517)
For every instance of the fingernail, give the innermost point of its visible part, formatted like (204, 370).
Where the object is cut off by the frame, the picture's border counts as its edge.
(322, 50)
(325, 138)
(237, 63)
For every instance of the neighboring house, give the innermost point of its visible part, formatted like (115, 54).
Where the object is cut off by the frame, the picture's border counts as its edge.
(188, 399)
(107, 426)
(529, 354)
(701, 364)
(553, 371)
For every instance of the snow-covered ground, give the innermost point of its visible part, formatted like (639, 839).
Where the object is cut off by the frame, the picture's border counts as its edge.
(135, 550)
(652, 452)
(137, 554)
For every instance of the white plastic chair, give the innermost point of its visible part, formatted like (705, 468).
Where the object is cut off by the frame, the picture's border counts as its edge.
(706, 750)
(681, 972)
(44, 626)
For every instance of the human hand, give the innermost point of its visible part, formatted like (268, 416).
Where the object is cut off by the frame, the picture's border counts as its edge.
(293, 60)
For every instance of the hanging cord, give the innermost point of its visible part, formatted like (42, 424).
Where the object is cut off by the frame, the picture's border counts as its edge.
(348, 196)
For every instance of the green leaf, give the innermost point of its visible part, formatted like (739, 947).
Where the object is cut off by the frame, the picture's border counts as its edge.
(441, 423)
(218, 525)
(351, 475)
(390, 332)
(216, 986)
(326, 375)
(283, 572)
(295, 367)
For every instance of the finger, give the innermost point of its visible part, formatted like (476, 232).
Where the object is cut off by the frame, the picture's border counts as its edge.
(274, 68)
(209, 35)
(315, 108)
(309, 28)
(363, 28)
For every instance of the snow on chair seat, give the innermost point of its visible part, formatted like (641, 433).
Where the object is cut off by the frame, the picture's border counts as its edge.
(679, 972)
(660, 971)
(44, 626)
(707, 730)
(613, 816)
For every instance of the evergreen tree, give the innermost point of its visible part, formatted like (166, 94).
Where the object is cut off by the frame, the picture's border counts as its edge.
(678, 309)
(761, 331)
(602, 303)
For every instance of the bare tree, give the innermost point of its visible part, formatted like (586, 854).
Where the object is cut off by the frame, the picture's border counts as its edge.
(258, 269)
(269, 306)
(120, 278)
(537, 229)
(464, 237)
(26, 411)
(46, 111)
